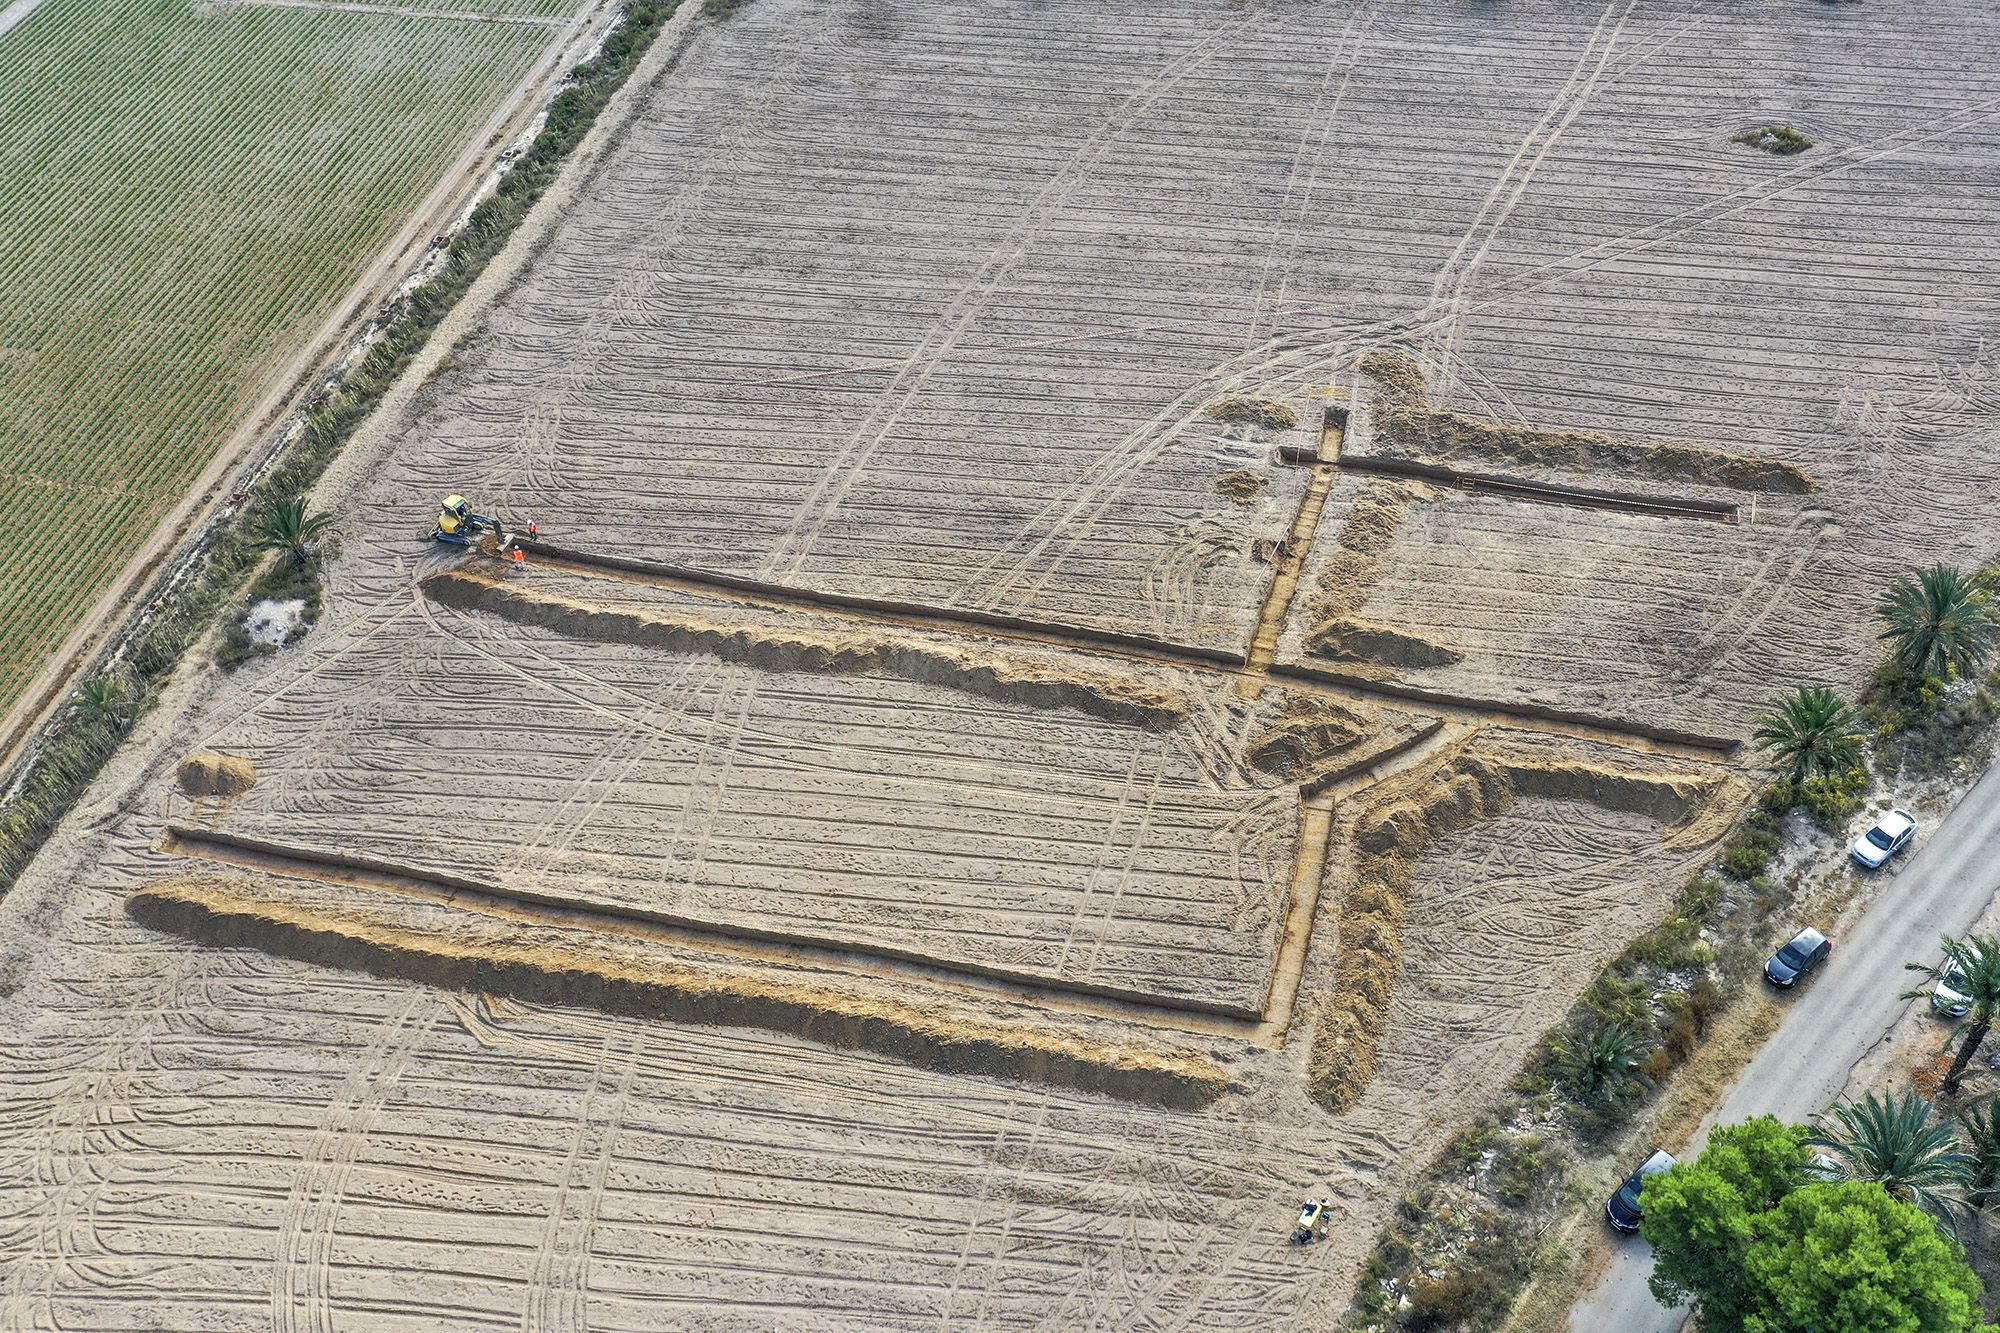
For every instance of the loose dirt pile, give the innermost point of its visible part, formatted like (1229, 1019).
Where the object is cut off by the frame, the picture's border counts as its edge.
(1241, 485)
(1406, 425)
(1345, 639)
(208, 775)
(1406, 817)
(1259, 412)
(550, 965)
(1351, 573)
(1694, 809)
(1305, 737)
(993, 675)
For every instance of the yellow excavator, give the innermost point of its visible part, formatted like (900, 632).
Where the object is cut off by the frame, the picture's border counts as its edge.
(457, 525)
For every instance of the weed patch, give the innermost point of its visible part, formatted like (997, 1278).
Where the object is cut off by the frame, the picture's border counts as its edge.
(1779, 140)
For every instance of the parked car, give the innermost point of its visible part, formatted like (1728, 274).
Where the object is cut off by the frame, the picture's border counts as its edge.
(1800, 954)
(1946, 997)
(1891, 834)
(1623, 1207)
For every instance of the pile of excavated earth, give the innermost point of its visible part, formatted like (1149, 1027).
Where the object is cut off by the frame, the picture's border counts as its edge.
(1119, 621)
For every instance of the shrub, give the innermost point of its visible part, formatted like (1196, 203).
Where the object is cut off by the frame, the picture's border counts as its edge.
(1831, 799)
(1751, 851)
(1780, 140)
(1522, 1167)
(1475, 1292)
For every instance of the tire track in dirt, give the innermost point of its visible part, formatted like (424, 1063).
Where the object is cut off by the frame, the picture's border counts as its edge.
(300, 1294)
(558, 1284)
(786, 557)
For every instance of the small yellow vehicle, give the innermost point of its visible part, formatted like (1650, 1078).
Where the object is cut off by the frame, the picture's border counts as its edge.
(457, 525)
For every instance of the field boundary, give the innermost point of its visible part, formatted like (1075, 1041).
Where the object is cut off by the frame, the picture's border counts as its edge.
(52, 765)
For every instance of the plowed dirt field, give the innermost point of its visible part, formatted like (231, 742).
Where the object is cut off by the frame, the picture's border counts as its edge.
(1127, 604)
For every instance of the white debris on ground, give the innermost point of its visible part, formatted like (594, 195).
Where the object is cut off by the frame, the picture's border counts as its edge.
(272, 621)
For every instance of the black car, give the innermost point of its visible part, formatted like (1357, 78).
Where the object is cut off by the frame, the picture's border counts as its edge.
(1801, 954)
(1623, 1207)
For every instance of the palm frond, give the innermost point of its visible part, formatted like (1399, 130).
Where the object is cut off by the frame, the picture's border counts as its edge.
(1939, 621)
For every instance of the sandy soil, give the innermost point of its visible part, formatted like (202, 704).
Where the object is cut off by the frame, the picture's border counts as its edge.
(972, 700)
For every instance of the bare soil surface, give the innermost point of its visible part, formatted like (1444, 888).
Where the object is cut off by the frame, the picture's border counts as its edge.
(753, 918)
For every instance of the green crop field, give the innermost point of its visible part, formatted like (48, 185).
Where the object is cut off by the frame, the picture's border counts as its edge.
(186, 190)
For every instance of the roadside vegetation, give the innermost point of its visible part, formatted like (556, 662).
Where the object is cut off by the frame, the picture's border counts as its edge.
(185, 606)
(1759, 1235)
(292, 581)
(1498, 1211)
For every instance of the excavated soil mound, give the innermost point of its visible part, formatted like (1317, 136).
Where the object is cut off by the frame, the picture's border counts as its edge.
(1391, 835)
(575, 966)
(1406, 425)
(1304, 738)
(1343, 638)
(1260, 412)
(1022, 680)
(1404, 820)
(208, 774)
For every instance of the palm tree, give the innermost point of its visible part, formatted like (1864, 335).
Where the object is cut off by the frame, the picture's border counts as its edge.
(1939, 621)
(1974, 967)
(101, 699)
(285, 526)
(1891, 1141)
(1812, 731)
(1601, 1061)
(1982, 1139)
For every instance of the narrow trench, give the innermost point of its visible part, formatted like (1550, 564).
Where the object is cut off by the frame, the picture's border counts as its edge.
(1291, 563)
(1311, 679)
(743, 944)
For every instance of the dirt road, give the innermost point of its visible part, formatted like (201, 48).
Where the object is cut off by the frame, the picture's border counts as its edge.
(1942, 889)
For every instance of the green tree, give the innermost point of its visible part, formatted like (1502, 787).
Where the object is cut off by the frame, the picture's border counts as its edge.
(1600, 1062)
(1975, 963)
(1892, 1142)
(1938, 622)
(1756, 1246)
(1812, 732)
(1848, 1256)
(285, 526)
(1699, 1215)
(1981, 1128)
(101, 699)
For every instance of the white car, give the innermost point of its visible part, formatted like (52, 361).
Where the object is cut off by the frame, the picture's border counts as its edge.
(1946, 997)
(1891, 834)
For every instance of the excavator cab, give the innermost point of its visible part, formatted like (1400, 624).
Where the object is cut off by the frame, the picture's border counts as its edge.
(457, 525)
